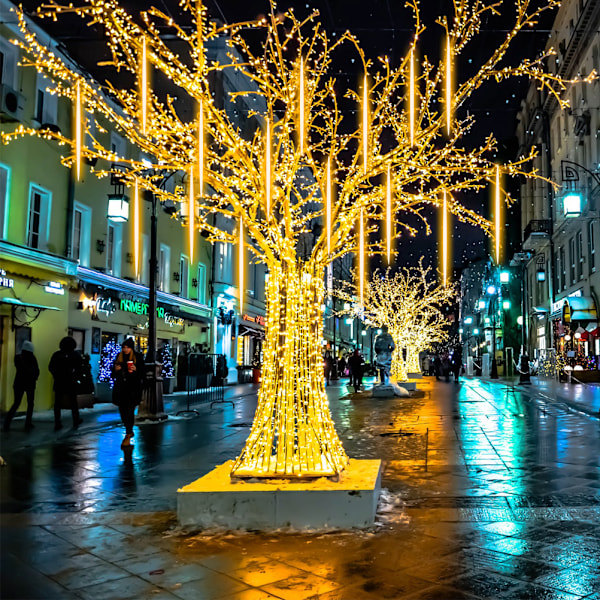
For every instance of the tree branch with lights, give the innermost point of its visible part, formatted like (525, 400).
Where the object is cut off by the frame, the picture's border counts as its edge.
(304, 173)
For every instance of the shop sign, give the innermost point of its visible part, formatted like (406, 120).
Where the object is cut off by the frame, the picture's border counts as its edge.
(54, 287)
(172, 320)
(258, 319)
(5, 281)
(106, 305)
(141, 308)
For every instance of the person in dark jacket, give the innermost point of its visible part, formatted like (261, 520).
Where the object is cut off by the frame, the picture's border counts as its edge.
(356, 363)
(128, 371)
(328, 366)
(24, 383)
(65, 366)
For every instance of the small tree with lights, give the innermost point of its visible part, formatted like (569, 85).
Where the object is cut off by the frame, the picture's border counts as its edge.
(107, 359)
(305, 188)
(409, 303)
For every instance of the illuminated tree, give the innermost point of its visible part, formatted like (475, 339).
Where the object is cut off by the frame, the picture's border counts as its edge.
(307, 186)
(409, 303)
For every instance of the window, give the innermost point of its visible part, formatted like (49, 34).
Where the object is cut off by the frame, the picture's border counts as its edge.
(580, 255)
(573, 259)
(117, 145)
(164, 266)
(563, 269)
(8, 63)
(4, 183)
(82, 227)
(38, 227)
(183, 276)
(113, 249)
(201, 284)
(223, 273)
(46, 104)
(591, 247)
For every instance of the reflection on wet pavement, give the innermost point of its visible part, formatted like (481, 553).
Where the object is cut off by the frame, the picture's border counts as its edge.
(490, 492)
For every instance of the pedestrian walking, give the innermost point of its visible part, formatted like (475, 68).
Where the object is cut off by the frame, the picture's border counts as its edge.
(456, 363)
(26, 377)
(356, 363)
(437, 366)
(65, 366)
(328, 365)
(425, 365)
(128, 371)
(342, 366)
(446, 366)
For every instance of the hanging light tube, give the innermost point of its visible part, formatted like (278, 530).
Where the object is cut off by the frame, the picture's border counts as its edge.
(361, 258)
(328, 207)
(201, 150)
(411, 98)
(448, 86)
(365, 127)
(388, 216)
(136, 228)
(144, 86)
(445, 241)
(268, 169)
(497, 215)
(241, 265)
(191, 216)
(78, 132)
(302, 108)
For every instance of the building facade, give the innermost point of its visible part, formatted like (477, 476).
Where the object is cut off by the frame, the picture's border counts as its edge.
(561, 224)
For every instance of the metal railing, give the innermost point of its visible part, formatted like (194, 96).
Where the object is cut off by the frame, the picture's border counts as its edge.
(204, 379)
(536, 226)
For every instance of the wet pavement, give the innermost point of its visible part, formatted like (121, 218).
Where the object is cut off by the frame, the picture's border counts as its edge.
(490, 491)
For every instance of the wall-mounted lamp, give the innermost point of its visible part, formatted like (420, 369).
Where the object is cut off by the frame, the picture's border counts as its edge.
(541, 275)
(194, 282)
(100, 245)
(129, 258)
(176, 275)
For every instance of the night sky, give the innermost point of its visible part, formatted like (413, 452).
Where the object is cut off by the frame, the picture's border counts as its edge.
(384, 27)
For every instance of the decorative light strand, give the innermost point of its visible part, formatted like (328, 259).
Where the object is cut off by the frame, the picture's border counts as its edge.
(241, 265)
(136, 228)
(497, 215)
(302, 108)
(328, 207)
(201, 150)
(411, 98)
(78, 132)
(268, 169)
(361, 258)
(445, 248)
(191, 216)
(365, 125)
(388, 216)
(144, 86)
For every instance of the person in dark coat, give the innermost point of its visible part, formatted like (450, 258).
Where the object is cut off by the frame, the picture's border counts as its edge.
(128, 371)
(65, 366)
(356, 363)
(456, 362)
(24, 383)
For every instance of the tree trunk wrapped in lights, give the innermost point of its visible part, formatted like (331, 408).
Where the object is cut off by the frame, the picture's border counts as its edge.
(409, 303)
(275, 180)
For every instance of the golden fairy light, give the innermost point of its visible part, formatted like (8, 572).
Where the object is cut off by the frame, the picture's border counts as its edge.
(302, 108)
(241, 265)
(361, 257)
(268, 169)
(388, 216)
(201, 150)
(293, 434)
(448, 86)
(497, 215)
(445, 248)
(136, 228)
(78, 132)
(328, 207)
(191, 216)
(144, 86)
(411, 97)
(365, 125)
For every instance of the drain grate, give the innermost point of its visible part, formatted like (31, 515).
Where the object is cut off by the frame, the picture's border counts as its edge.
(239, 425)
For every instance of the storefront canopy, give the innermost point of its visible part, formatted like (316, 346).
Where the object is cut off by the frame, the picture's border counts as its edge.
(19, 303)
(579, 308)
